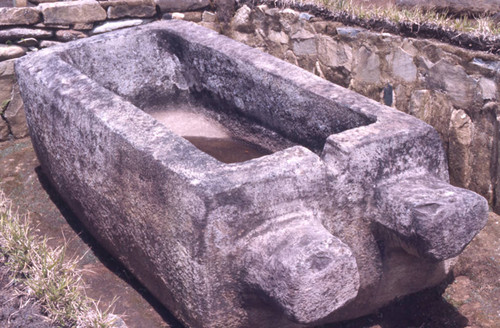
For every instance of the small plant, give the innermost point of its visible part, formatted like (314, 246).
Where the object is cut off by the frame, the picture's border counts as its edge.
(45, 275)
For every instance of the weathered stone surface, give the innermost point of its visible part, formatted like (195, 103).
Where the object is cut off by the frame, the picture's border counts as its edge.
(453, 79)
(209, 17)
(4, 130)
(186, 5)
(15, 116)
(402, 66)
(52, 26)
(115, 25)
(488, 88)
(326, 237)
(71, 12)
(333, 53)
(7, 80)
(367, 65)
(19, 16)
(11, 51)
(278, 37)
(28, 42)
(69, 35)
(455, 6)
(48, 43)
(131, 8)
(83, 26)
(433, 108)
(18, 33)
(460, 156)
(241, 20)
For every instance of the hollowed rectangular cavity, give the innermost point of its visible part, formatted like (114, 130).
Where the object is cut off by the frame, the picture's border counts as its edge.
(259, 99)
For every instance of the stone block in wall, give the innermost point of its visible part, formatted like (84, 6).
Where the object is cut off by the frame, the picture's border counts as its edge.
(333, 53)
(242, 21)
(115, 25)
(130, 8)
(48, 43)
(185, 5)
(484, 142)
(11, 51)
(18, 33)
(69, 35)
(433, 108)
(4, 129)
(460, 87)
(15, 116)
(82, 26)
(7, 80)
(19, 16)
(459, 150)
(28, 42)
(367, 66)
(402, 66)
(488, 88)
(71, 12)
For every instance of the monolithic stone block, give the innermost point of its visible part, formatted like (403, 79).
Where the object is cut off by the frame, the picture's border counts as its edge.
(71, 12)
(344, 205)
(19, 16)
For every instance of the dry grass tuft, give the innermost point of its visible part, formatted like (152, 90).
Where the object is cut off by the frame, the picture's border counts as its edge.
(45, 275)
(479, 25)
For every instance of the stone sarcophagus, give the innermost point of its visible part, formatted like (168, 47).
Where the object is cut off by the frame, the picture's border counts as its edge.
(243, 191)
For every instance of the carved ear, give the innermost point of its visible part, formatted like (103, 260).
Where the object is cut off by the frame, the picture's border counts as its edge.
(429, 217)
(302, 268)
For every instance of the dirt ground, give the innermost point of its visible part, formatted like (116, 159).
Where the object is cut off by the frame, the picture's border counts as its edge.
(470, 298)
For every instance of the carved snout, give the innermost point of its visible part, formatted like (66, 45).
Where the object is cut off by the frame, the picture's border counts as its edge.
(303, 269)
(429, 217)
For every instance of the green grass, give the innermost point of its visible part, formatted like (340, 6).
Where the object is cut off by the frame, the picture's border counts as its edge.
(45, 275)
(482, 25)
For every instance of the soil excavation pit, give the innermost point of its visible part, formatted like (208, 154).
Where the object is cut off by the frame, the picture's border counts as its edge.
(333, 206)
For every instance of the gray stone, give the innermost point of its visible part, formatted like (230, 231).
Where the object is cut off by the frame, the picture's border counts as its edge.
(69, 35)
(453, 79)
(185, 5)
(488, 88)
(83, 26)
(333, 53)
(402, 66)
(349, 209)
(349, 32)
(209, 17)
(48, 43)
(278, 37)
(28, 42)
(7, 80)
(15, 116)
(305, 47)
(242, 20)
(460, 156)
(19, 33)
(19, 16)
(11, 51)
(71, 12)
(4, 130)
(433, 108)
(115, 25)
(131, 8)
(367, 66)
(454, 6)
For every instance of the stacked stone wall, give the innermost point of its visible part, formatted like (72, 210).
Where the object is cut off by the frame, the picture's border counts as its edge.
(453, 89)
